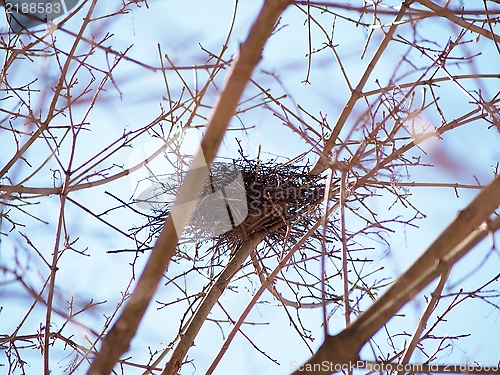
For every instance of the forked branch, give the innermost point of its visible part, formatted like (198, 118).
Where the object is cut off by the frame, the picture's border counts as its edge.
(466, 231)
(118, 340)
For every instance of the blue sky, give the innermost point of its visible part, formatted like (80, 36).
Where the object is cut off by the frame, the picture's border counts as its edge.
(179, 29)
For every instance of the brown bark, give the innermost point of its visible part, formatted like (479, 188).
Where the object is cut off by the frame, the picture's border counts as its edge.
(468, 229)
(118, 340)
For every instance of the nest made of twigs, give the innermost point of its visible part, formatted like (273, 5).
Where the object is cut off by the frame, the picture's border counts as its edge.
(276, 194)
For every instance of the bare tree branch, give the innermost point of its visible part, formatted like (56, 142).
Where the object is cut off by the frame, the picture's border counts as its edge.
(118, 339)
(471, 226)
(356, 93)
(187, 337)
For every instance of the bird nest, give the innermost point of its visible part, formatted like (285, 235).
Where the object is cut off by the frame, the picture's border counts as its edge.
(239, 198)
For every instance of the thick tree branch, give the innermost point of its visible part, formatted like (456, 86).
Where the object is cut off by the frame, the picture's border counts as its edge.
(466, 231)
(118, 340)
